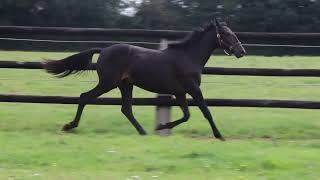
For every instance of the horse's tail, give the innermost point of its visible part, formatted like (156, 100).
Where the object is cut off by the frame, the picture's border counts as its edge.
(72, 64)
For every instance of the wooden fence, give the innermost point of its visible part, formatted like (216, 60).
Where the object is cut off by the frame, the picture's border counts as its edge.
(207, 70)
(168, 34)
(171, 102)
(165, 101)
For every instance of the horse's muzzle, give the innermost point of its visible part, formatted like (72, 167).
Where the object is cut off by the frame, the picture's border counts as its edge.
(240, 52)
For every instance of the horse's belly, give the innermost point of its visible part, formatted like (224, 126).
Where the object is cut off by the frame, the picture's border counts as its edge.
(155, 76)
(159, 90)
(158, 84)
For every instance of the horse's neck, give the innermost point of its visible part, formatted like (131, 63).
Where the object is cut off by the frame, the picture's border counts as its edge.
(201, 51)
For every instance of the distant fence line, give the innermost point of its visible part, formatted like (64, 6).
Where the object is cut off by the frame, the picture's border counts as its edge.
(169, 34)
(207, 70)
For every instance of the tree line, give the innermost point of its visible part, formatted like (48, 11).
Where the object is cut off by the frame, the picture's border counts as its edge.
(241, 15)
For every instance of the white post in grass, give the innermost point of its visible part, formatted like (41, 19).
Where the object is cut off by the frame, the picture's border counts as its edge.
(163, 113)
(163, 116)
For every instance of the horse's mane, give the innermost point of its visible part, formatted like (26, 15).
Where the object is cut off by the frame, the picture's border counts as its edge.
(192, 37)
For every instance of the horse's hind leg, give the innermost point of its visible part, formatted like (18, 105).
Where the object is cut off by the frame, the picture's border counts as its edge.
(181, 100)
(100, 89)
(126, 109)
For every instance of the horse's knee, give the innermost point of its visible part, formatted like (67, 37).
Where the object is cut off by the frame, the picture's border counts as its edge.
(83, 95)
(186, 116)
(83, 98)
(208, 115)
(184, 120)
(125, 110)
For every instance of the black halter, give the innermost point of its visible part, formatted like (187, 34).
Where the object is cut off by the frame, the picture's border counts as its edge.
(221, 42)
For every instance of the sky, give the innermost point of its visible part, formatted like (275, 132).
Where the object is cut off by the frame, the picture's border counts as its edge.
(130, 11)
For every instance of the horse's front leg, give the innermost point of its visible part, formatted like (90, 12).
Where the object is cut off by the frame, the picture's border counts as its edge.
(194, 90)
(181, 100)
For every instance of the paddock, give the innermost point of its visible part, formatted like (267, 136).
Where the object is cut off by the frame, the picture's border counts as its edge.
(261, 141)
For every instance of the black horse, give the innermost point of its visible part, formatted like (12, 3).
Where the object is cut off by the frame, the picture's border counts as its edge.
(175, 70)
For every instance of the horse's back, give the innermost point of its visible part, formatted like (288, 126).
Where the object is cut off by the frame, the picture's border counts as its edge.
(153, 70)
(126, 52)
(114, 52)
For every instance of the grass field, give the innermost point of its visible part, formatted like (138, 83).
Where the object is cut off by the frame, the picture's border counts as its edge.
(262, 143)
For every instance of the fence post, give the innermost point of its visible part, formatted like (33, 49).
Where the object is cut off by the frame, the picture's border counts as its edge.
(163, 115)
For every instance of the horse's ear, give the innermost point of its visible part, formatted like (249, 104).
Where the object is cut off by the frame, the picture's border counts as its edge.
(217, 22)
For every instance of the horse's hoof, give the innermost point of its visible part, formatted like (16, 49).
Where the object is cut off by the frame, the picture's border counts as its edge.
(67, 127)
(220, 137)
(143, 133)
(161, 127)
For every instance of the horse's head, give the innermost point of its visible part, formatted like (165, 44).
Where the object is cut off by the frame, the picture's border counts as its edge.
(228, 41)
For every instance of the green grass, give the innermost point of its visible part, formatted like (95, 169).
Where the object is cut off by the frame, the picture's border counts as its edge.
(262, 143)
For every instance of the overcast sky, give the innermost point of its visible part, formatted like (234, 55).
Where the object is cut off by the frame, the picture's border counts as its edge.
(130, 11)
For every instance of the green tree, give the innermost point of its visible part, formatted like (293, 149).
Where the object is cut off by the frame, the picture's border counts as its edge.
(159, 14)
(276, 15)
(71, 13)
